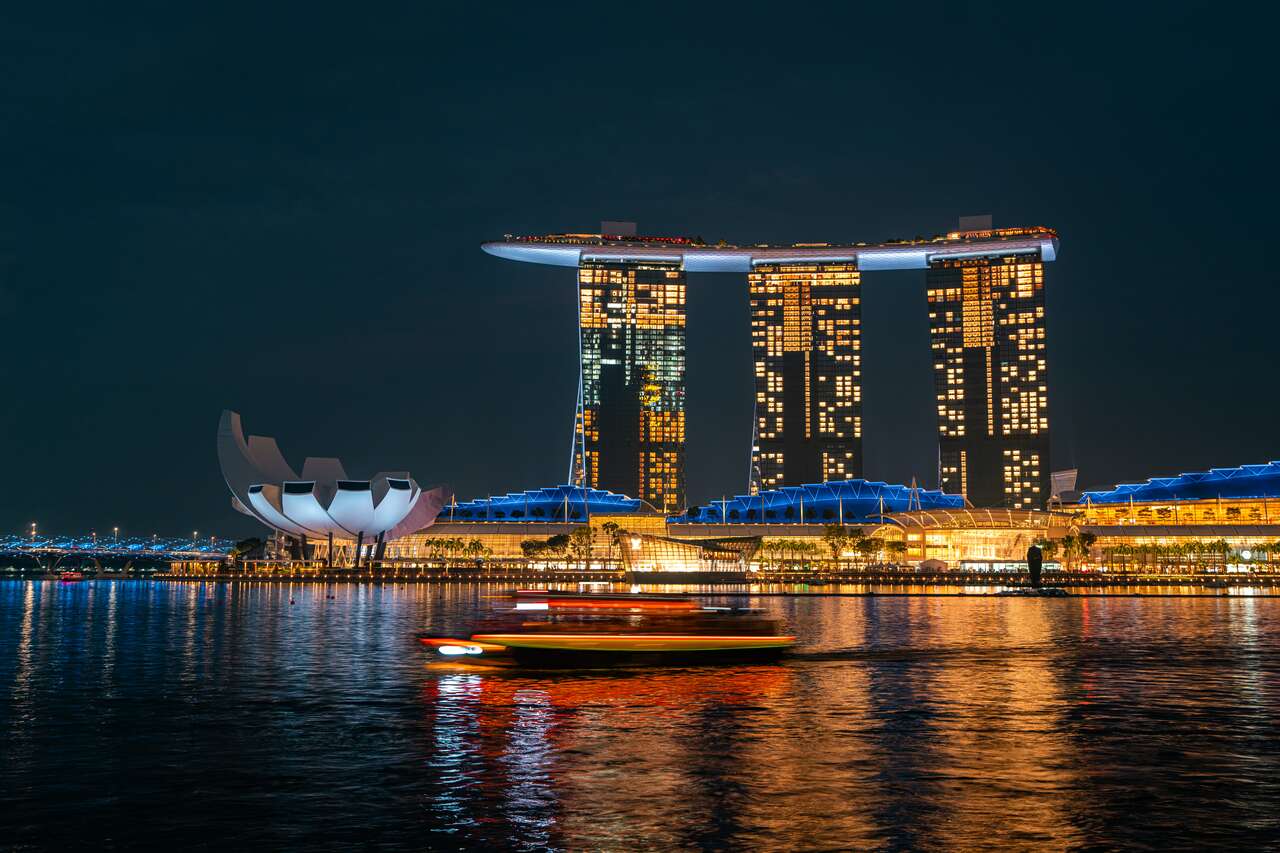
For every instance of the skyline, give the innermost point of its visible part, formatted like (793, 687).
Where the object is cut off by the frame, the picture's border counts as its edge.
(175, 243)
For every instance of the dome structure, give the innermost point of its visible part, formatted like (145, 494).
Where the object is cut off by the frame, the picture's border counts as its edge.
(844, 501)
(323, 501)
(566, 503)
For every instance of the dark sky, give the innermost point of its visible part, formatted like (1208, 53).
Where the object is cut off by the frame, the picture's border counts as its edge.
(279, 210)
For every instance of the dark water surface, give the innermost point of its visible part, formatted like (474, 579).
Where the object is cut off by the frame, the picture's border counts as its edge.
(247, 716)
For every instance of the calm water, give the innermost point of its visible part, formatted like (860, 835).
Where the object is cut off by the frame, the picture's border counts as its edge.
(137, 713)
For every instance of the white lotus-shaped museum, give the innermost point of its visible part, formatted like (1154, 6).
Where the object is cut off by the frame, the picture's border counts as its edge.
(323, 501)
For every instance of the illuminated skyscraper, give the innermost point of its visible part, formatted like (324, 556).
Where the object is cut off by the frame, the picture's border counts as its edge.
(806, 337)
(987, 325)
(987, 316)
(630, 428)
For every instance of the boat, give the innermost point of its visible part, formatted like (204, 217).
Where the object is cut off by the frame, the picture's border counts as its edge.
(71, 577)
(585, 628)
(1036, 592)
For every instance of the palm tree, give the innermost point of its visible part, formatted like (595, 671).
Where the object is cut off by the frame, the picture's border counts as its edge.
(1188, 552)
(1086, 542)
(1070, 548)
(474, 550)
(774, 549)
(807, 549)
(1223, 548)
(612, 529)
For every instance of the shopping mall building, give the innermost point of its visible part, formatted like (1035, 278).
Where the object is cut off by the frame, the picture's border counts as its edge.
(1225, 519)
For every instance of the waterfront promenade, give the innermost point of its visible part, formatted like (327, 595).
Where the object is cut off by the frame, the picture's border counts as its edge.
(887, 575)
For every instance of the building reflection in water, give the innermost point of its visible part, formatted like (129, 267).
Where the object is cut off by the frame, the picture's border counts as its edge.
(901, 722)
(901, 726)
(573, 759)
(1001, 744)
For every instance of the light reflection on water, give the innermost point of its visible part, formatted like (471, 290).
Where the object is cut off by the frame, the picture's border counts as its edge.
(271, 716)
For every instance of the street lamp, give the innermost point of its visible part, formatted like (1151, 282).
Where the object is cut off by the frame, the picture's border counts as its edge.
(33, 531)
(115, 534)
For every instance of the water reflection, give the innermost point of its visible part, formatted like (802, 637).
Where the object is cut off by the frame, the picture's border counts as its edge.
(276, 716)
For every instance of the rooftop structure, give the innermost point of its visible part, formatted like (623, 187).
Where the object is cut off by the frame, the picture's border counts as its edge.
(553, 504)
(843, 502)
(1246, 481)
(570, 250)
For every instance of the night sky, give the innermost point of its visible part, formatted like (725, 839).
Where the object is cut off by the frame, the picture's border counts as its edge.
(279, 210)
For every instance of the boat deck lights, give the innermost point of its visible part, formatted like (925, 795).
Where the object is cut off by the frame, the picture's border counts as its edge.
(459, 650)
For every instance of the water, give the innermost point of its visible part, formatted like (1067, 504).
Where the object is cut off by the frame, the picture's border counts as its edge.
(142, 714)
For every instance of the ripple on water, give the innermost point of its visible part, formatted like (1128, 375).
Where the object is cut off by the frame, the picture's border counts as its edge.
(142, 713)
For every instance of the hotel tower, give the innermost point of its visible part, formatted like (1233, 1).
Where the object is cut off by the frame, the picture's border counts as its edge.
(806, 339)
(629, 430)
(987, 329)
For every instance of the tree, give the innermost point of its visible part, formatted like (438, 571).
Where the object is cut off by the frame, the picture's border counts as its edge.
(836, 537)
(769, 549)
(248, 549)
(580, 544)
(558, 546)
(1086, 542)
(475, 550)
(896, 548)
(613, 530)
(1223, 548)
(1070, 546)
(532, 547)
(866, 546)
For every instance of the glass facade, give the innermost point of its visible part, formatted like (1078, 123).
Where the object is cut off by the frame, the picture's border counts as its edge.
(1179, 513)
(630, 428)
(987, 330)
(806, 339)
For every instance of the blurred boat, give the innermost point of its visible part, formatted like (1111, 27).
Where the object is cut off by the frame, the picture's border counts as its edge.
(1036, 592)
(553, 628)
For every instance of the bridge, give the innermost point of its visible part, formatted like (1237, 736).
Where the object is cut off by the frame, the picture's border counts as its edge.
(110, 554)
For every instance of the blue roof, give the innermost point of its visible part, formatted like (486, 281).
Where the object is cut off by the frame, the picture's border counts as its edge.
(852, 500)
(555, 503)
(1247, 481)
